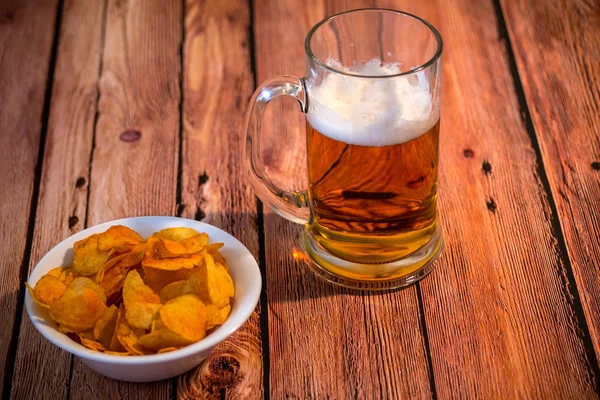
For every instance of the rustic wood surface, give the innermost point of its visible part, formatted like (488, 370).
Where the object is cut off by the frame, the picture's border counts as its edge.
(26, 39)
(115, 108)
(557, 51)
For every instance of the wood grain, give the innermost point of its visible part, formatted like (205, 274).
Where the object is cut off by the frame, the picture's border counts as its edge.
(26, 33)
(325, 342)
(556, 47)
(498, 311)
(136, 144)
(217, 83)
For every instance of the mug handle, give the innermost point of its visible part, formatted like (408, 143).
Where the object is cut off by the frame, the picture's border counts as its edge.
(290, 205)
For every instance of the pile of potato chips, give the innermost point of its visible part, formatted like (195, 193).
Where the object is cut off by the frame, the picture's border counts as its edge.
(127, 296)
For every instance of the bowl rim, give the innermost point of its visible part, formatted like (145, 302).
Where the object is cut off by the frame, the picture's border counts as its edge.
(247, 306)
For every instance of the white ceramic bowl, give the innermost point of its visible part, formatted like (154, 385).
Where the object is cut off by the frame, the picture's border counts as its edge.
(242, 267)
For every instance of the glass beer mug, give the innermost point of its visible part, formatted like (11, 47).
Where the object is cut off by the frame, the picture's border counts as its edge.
(371, 96)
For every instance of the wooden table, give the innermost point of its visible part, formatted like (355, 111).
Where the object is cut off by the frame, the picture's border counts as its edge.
(120, 108)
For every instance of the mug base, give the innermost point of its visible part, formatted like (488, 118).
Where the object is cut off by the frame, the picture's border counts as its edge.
(381, 276)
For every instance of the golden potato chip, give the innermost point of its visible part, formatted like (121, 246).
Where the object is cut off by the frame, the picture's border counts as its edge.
(171, 264)
(77, 312)
(212, 283)
(156, 325)
(213, 250)
(88, 259)
(172, 290)
(115, 345)
(117, 353)
(39, 303)
(48, 289)
(164, 248)
(162, 339)
(141, 303)
(91, 344)
(167, 349)
(157, 279)
(216, 316)
(214, 247)
(81, 283)
(130, 343)
(186, 316)
(118, 237)
(105, 327)
(113, 281)
(64, 274)
(176, 234)
(112, 261)
(133, 257)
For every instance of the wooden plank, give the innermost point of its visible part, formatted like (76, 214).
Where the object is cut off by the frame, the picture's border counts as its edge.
(498, 311)
(217, 83)
(559, 41)
(134, 165)
(331, 342)
(26, 35)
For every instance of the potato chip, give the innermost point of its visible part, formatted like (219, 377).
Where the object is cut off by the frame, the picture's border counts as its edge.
(118, 237)
(213, 250)
(133, 257)
(216, 316)
(35, 300)
(157, 279)
(171, 264)
(88, 259)
(172, 290)
(186, 316)
(167, 349)
(141, 303)
(115, 345)
(176, 234)
(156, 325)
(48, 289)
(64, 274)
(81, 283)
(117, 353)
(105, 327)
(130, 343)
(164, 248)
(212, 283)
(77, 312)
(91, 344)
(113, 281)
(162, 339)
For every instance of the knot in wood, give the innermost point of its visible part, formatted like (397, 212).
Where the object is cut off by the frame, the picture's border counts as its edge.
(223, 372)
(130, 135)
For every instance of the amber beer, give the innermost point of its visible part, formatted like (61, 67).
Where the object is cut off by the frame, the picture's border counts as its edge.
(373, 204)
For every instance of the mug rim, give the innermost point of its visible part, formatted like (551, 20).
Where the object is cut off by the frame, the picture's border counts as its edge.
(432, 29)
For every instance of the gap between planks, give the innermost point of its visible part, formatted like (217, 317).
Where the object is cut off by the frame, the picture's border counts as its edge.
(14, 341)
(568, 278)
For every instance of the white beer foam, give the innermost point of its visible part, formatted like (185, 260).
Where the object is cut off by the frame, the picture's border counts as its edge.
(372, 112)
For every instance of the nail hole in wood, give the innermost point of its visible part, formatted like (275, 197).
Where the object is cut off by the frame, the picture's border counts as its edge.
(202, 179)
(468, 153)
(200, 215)
(80, 182)
(596, 165)
(486, 167)
(491, 205)
(73, 220)
(130, 135)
